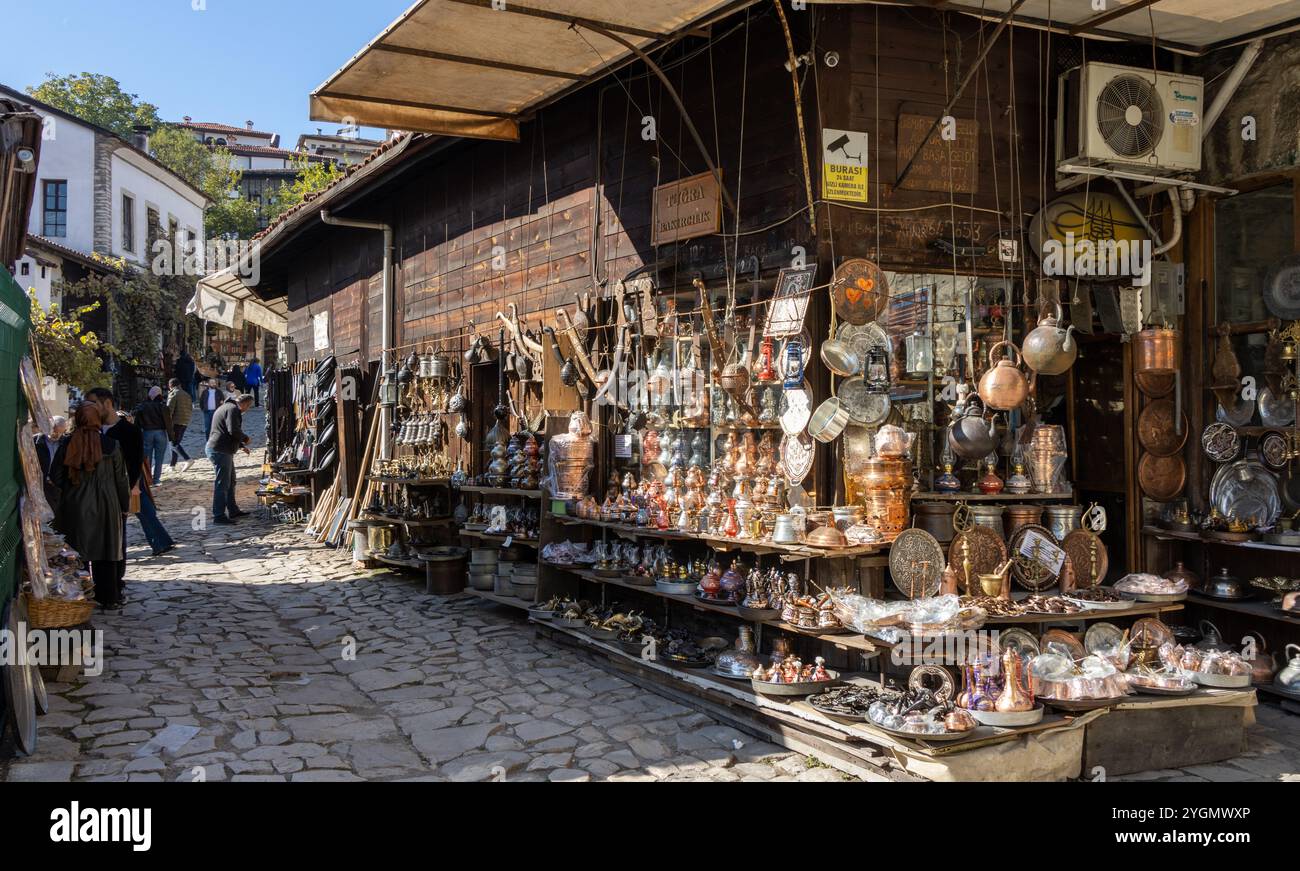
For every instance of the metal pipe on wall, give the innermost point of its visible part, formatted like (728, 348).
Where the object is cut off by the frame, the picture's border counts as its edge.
(386, 316)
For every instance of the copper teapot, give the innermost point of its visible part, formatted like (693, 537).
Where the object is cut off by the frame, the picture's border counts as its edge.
(1003, 386)
(1048, 349)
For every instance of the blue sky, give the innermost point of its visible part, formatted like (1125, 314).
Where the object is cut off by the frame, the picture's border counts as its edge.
(230, 62)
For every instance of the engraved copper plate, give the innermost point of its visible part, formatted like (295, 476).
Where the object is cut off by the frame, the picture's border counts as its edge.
(1088, 557)
(1156, 429)
(1029, 573)
(1273, 451)
(1150, 632)
(1154, 384)
(985, 549)
(859, 291)
(916, 563)
(1162, 478)
(1221, 442)
(1062, 638)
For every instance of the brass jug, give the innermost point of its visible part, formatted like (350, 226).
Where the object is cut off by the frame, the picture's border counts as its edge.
(1048, 349)
(1003, 387)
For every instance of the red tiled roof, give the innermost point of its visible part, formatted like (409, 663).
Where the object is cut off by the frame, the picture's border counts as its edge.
(224, 128)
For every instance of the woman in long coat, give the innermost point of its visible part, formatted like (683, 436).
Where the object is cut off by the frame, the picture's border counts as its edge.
(91, 473)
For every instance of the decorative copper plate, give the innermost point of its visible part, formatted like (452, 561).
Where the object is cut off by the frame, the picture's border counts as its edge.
(1029, 573)
(1162, 478)
(1221, 442)
(983, 547)
(1156, 429)
(1068, 640)
(859, 291)
(1088, 557)
(1154, 384)
(1150, 632)
(916, 563)
(1274, 451)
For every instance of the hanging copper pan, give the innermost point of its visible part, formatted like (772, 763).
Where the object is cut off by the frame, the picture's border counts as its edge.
(1156, 429)
(1154, 384)
(1162, 478)
(859, 291)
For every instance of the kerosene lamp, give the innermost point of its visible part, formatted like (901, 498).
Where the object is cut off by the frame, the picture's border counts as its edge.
(877, 370)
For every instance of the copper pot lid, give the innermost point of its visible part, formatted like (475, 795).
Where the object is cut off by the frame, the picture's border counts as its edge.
(1032, 573)
(1154, 384)
(916, 563)
(859, 291)
(1088, 557)
(984, 549)
(1156, 429)
(1162, 478)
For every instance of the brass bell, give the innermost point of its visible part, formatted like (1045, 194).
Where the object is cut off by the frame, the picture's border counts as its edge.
(1288, 352)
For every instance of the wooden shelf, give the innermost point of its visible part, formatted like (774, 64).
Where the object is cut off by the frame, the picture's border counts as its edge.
(962, 496)
(500, 491)
(414, 482)
(1254, 608)
(1139, 609)
(496, 536)
(436, 521)
(787, 551)
(1170, 535)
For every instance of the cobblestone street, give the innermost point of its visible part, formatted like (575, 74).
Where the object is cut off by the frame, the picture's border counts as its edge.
(227, 664)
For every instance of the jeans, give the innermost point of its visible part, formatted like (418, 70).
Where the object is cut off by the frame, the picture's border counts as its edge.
(207, 422)
(256, 390)
(155, 446)
(178, 433)
(154, 532)
(192, 389)
(223, 488)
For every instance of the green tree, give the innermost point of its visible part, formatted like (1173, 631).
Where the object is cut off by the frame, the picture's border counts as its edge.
(98, 99)
(211, 170)
(313, 176)
(68, 352)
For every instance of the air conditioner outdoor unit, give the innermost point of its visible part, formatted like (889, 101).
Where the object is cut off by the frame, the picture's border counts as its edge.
(1129, 118)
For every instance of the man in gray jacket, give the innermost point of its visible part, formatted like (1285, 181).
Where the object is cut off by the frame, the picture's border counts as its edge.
(227, 436)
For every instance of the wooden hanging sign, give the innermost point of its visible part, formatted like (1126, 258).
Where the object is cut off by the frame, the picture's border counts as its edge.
(687, 208)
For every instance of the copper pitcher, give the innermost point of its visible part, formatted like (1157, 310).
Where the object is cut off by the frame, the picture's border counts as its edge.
(1003, 387)
(1157, 350)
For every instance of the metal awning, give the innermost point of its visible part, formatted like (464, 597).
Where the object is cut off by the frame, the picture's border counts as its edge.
(1192, 26)
(476, 68)
(223, 298)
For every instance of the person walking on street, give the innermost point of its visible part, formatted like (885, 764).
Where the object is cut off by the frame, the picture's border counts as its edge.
(253, 375)
(90, 472)
(238, 379)
(226, 438)
(210, 399)
(182, 411)
(131, 441)
(155, 421)
(187, 372)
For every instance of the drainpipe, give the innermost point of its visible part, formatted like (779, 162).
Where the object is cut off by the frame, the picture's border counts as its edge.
(1231, 83)
(386, 330)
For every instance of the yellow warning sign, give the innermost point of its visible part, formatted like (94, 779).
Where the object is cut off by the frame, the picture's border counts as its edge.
(844, 165)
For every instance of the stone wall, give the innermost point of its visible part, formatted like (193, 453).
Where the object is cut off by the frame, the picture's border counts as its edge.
(1270, 94)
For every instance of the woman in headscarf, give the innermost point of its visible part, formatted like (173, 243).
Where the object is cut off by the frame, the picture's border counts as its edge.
(91, 474)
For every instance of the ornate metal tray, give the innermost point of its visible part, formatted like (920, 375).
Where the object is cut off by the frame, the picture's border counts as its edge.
(1162, 478)
(1156, 429)
(859, 290)
(935, 678)
(865, 408)
(1021, 639)
(863, 337)
(985, 549)
(916, 563)
(796, 456)
(1068, 640)
(1275, 410)
(796, 408)
(1088, 557)
(1246, 490)
(1031, 574)
(1239, 413)
(1282, 289)
(1221, 442)
(1150, 632)
(1274, 452)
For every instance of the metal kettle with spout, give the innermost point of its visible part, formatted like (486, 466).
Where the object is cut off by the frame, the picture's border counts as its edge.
(1048, 349)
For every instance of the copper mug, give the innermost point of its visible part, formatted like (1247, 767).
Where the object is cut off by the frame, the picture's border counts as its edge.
(1157, 350)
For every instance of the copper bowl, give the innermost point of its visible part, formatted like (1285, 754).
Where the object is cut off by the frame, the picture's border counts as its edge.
(826, 536)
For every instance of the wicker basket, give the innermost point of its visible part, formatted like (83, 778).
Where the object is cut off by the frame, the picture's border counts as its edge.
(57, 613)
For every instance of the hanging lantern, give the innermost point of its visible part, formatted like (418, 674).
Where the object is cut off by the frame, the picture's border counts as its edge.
(877, 370)
(920, 353)
(388, 389)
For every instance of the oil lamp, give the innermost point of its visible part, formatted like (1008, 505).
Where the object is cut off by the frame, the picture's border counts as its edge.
(877, 370)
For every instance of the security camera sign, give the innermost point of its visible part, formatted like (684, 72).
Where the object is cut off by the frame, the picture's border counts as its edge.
(844, 165)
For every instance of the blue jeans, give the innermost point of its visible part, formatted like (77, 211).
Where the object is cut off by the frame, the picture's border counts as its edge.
(154, 532)
(155, 446)
(223, 489)
(207, 423)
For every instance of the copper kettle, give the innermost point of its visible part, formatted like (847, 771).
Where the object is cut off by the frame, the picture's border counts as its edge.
(1048, 349)
(1003, 386)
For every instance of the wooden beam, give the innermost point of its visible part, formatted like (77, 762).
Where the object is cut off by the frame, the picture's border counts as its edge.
(477, 61)
(415, 104)
(1088, 24)
(564, 18)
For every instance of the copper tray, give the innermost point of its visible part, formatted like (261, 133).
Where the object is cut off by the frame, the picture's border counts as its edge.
(1156, 429)
(1078, 546)
(859, 291)
(1154, 384)
(1032, 582)
(1152, 630)
(1065, 639)
(1162, 478)
(916, 563)
(987, 552)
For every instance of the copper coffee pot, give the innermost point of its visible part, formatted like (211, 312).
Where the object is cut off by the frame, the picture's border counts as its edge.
(1003, 386)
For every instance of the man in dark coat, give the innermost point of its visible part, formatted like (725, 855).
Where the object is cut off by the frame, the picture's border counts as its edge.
(46, 448)
(186, 372)
(131, 440)
(227, 437)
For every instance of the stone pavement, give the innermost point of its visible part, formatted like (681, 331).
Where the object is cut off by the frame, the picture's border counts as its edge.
(228, 663)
